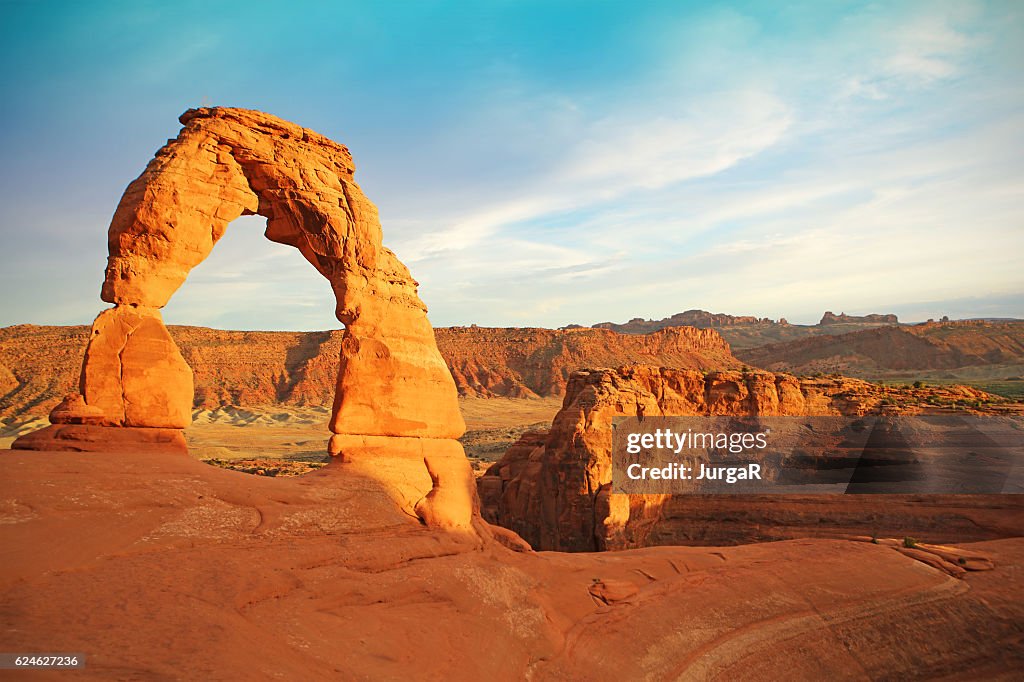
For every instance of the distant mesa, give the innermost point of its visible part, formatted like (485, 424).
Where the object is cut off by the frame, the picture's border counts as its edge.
(748, 331)
(703, 319)
(700, 319)
(927, 346)
(842, 318)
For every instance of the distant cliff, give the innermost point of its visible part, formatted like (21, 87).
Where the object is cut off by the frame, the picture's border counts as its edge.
(537, 362)
(700, 319)
(39, 365)
(747, 331)
(931, 346)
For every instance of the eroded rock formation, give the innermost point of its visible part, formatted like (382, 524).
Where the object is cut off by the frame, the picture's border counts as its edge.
(395, 399)
(554, 489)
(40, 365)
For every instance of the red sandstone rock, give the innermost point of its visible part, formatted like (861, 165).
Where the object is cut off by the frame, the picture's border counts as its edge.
(966, 559)
(391, 382)
(73, 410)
(255, 369)
(932, 346)
(611, 591)
(93, 438)
(452, 498)
(933, 561)
(266, 576)
(525, 363)
(226, 162)
(8, 381)
(555, 490)
(955, 561)
(134, 372)
(301, 368)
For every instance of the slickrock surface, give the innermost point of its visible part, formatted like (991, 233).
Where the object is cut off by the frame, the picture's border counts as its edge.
(160, 567)
(394, 400)
(554, 488)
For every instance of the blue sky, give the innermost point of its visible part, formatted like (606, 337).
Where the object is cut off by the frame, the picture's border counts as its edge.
(543, 163)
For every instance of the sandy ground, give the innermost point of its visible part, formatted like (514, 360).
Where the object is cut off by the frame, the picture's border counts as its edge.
(12, 428)
(158, 567)
(244, 437)
(496, 413)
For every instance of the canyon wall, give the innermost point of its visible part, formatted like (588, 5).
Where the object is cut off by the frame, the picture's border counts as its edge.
(40, 365)
(554, 488)
(538, 362)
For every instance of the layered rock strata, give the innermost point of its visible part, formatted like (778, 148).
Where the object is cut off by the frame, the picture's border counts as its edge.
(527, 363)
(257, 369)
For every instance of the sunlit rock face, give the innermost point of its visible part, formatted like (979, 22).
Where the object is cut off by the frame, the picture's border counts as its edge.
(554, 489)
(392, 381)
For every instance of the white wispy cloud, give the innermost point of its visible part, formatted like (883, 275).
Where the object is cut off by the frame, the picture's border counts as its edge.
(623, 152)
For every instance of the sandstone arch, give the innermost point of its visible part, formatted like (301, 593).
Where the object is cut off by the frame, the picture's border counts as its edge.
(396, 404)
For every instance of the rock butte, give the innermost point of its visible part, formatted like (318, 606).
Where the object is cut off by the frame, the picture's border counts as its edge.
(554, 488)
(395, 407)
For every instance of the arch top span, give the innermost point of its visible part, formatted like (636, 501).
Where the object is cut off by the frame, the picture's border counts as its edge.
(395, 397)
(231, 162)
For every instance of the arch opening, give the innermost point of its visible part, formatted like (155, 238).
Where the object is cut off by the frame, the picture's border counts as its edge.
(252, 299)
(251, 283)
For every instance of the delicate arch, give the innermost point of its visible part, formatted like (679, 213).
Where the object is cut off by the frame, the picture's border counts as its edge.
(395, 397)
